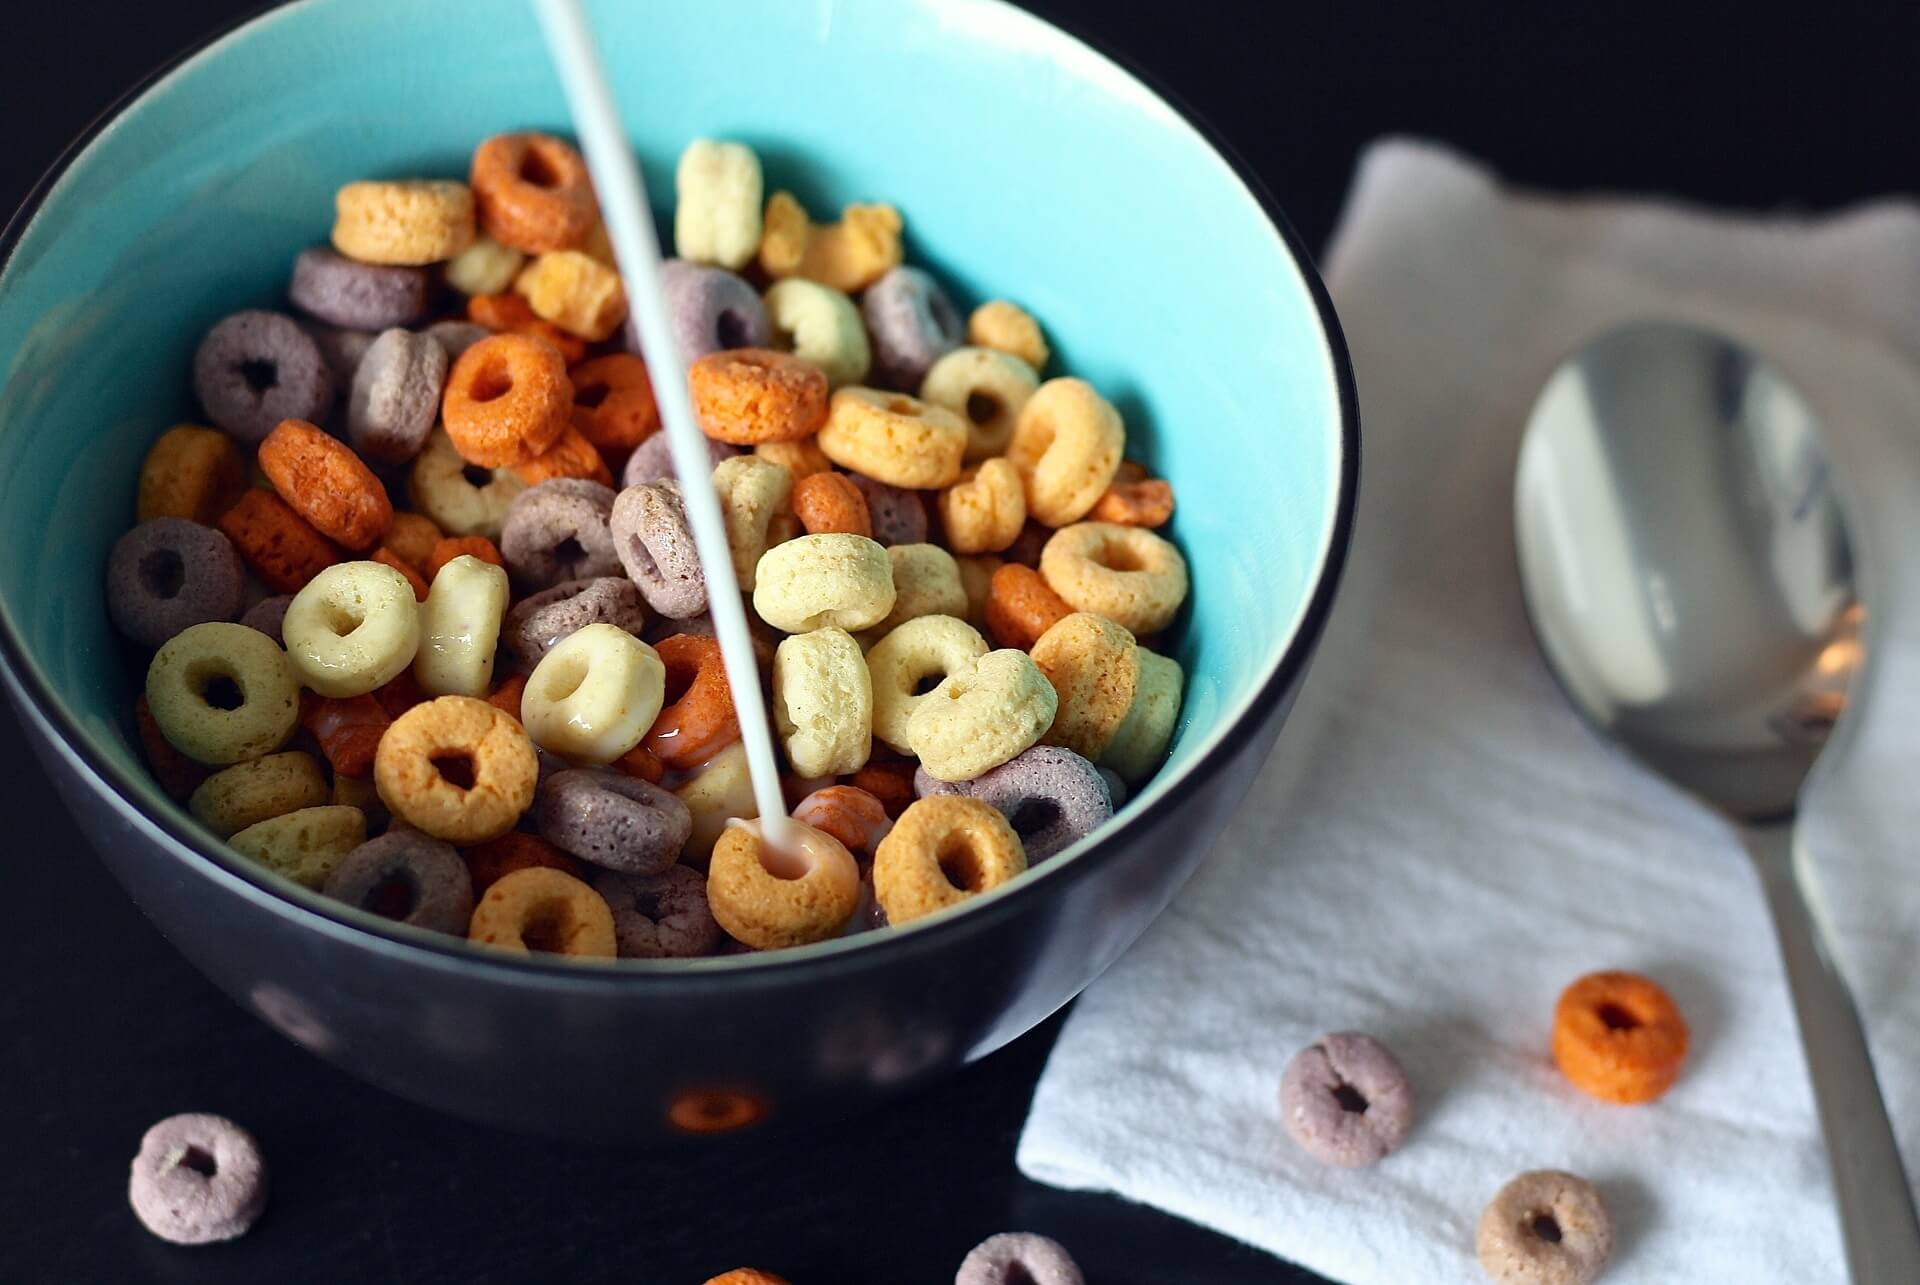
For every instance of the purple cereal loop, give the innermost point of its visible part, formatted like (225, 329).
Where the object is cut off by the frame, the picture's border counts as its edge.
(254, 369)
(197, 1179)
(428, 875)
(1050, 796)
(655, 545)
(395, 396)
(456, 336)
(926, 785)
(359, 296)
(538, 623)
(652, 460)
(613, 820)
(1116, 788)
(912, 324)
(899, 516)
(168, 574)
(1019, 1258)
(267, 615)
(558, 531)
(710, 309)
(1346, 1100)
(343, 349)
(662, 916)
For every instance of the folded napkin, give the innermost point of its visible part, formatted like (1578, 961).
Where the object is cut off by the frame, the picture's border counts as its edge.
(1439, 845)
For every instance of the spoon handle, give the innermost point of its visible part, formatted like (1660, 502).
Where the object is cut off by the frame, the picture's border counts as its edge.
(1877, 1221)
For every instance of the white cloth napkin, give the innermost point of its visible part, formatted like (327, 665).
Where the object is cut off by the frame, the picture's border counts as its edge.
(1439, 845)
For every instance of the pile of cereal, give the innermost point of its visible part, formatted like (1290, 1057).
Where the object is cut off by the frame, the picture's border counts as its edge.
(500, 712)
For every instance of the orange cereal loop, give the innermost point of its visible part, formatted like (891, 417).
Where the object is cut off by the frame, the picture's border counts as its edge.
(848, 813)
(190, 472)
(321, 478)
(642, 763)
(177, 774)
(546, 910)
(570, 456)
(400, 695)
(385, 554)
(511, 314)
(1619, 1037)
(507, 695)
(889, 781)
(829, 502)
(458, 768)
(1021, 607)
(412, 537)
(700, 722)
(495, 859)
(1134, 499)
(449, 547)
(720, 1111)
(507, 400)
(532, 192)
(613, 405)
(276, 542)
(348, 730)
(749, 395)
(747, 1276)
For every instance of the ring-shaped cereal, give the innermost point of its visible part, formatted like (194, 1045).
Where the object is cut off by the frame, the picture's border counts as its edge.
(507, 400)
(592, 698)
(720, 791)
(823, 703)
(484, 267)
(940, 852)
(411, 223)
(1094, 667)
(613, 402)
(222, 693)
(571, 455)
(750, 395)
(1066, 443)
(1139, 745)
(353, 628)
(753, 493)
(985, 388)
(574, 291)
(190, 472)
(819, 580)
(545, 910)
(1619, 1036)
(701, 721)
(498, 754)
(441, 487)
(1135, 499)
(409, 877)
(613, 820)
(532, 192)
(803, 458)
(1009, 328)
(984, 511)
(926, 582)
(304, 845)
(828, 502)
(257, 790)
(770, 900)
(460, 628)
(981, 716)
(898, 665)
(894, 438)
(850, 814)
(321, 478)
(821, 325)
(1126, 573)
(1020, 607)
(716, 216)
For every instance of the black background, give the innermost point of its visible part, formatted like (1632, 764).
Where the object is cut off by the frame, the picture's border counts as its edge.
(106, 1029)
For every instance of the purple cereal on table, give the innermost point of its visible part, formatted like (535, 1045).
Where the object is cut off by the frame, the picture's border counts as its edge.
(613, 820)
(660, 916)
(558, 531)
(358, 296)
(655, 545)
(899, 516)
(537, 623)
(1346, 1100)
(711, 309)
(1049, 795)
(254, 369)
(407, 876)
(1019, 1258)
(267, 615)
(912, 324)
(395, 397)
(652, 460)
(197, 1179)
(168, 574)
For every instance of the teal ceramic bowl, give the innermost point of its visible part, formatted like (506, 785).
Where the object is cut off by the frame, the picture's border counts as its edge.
(1026, 165)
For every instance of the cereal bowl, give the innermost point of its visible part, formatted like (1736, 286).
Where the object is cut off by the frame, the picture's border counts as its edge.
(1026, 164)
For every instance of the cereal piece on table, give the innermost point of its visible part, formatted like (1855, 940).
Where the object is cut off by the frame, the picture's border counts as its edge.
(823, 326)
(386, 557)
(719, 792)
(348, 730)
(898, 514)
(803, 458)
(1545, 1227)
(1619, 1037)
(544, 910)
(830, 502)
(190, 472)
(460, 628)
(614, 821)
(507, 400)
(987, 389)
(701, 721)
(890, 781)
(222, 693)
(613, 402)
(323, 481)
(395, 396)
(845, 581)
(848, 256)
(537, 622)
(575, 292)
(1018, 1258)
(197, 1179)
(750, 395)
(532, 192)
(901, 663)
(652, 460)
(770, 899)
(1008, 328)
(357, 296)
(753, 494)
(1346, 1100)
(411, 222)
(1051, 797)
(941, 852)
(823, 702)
(559, 531)
(655, 547)
(306, 845)
(512, 314)
(912, 324)
(976, 579)
(926, 582)
(982, 716)
(711, 309)
(1066, 443)
(716, 217)
(412, 537)
(660, 916)
(406, 876)
(1134, 499)
(593, 697)
(1094, 666)
(484, 267)
(747, 1276)
(447, 548)
(1139, 745)
(474, 740)
(236, 797)
(489, 862)
(353, 628)
(985, 509)
(460, 498)
(255, 369)
(177, 774)
(894, 438)
(1128, 574)
(169, 573)
(276, 542)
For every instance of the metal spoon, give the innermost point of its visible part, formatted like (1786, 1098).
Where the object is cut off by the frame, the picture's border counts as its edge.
(1686, 566)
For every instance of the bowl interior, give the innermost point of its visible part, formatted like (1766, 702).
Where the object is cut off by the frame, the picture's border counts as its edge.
(1025, 165)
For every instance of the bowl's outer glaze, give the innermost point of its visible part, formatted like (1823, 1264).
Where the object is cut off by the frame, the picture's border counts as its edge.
(1025, 164)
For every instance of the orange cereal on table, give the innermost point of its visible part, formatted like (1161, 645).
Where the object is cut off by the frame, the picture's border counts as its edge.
(320, 477)
(889, 780)
(700, 722)
(613, 405)
(571, 456)
(507, 695)
(830, 502)
(1619, 1037)
(190, 472)
(276, 542)
(749, 395)
(1021, 606)
(178, 775)
(642, 763)
(1134, 499)
(449, 547)
(385, 555)
(511, 314)
(532, 192)
(348, 730)
(507, 400)
(516, 850)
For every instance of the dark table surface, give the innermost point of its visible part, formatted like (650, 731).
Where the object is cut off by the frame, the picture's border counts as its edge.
(106, 1029)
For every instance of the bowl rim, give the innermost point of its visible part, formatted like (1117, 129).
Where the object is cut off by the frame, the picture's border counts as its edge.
(362, 929)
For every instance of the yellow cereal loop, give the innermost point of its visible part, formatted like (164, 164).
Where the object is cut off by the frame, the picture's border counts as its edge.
(485, 267)
(1094, 667)
(543, 909)
(753, 491)
(1066, 444)
(822, 325)
(460, 498)
(353, 628)
(1128, 574)
(222, 693)
(413, 223)
(898, 666)
(848, 256)
(823, 703)
(460, 628)
(718, 792)
(258, 790)
(894, 438)
(717, 215)
(306, 845)
(985, 510)
(770, 900)
(1008, 328)
(458, 768)
(979, 717)
(940, 852)
(816, 581)
(987, 389)
(926, 582)
(576, 292)
(594, 695)
(1139, 744)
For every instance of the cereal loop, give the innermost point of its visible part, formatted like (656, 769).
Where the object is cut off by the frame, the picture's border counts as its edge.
(476, 741)
(941, 852)
(847, 256)
(1008, 328)
(306, 845)
(989, 389)
(1066, 444)
(700, 722)
(460, 628)
(1094, 667)
(323, 481)
(845, 581)
(571, 455)
(721, 790)
(593, 697)
(258, 790)
(445, 550)
(1619, 1037)
(900, 664)
(222, 693)
(850, 814)
(532, 192)
(1135, 499)
(484, 267)
(1546, 1227)
(276, 542)
(716, 218)
(462, 498)
(353, 628)
(507, 400)
(821, 325)
(823, 702)
(1127, 574)
(540, 909)
(770, 900)
(575, 292)
(411, 223)
(754, 496)
(1020, 607)
(894, 438)
(348, 730)
(613, 404)
(982, 716)
(826, 502)
(984, 511)
(190, 472)
(749, 395)
(1139, 745)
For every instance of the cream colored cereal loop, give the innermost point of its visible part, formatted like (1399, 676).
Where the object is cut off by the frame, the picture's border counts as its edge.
(770, 900)
(942, 851)
(979, 717)
(411, 223)
(485, 267)
(985, 388)
(353, 628)
(460, 628)
(576, 292)
(198, 675)
(898, 665)
(1009, 328)
(985, 510)
(816, 581)
(822, 325)
(718, 792)
(1066, 443)
(1139, 744)
(305, 845)
(894, 438)
(439, 488)
(753, 492)
(717, 215)
(1128, 574)
(594, 695)
(258, 790)
(926, 582)
(1094, 667)
(823, 703)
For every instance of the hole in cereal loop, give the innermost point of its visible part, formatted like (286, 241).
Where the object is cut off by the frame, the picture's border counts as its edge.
(982, 407)
(1350, 1099)
(491, 382)
(902, 406)
(477, 477)
(731, 329)
(715, 1111)
(456, 768)
(260, 375)
(221, 692)
(1616, 1018)
(1546, 1227)
(569, 552)
(200, 1161)
(162, 573)
(591, 395)
(536, 169)
(960, 863)
(392, 898)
